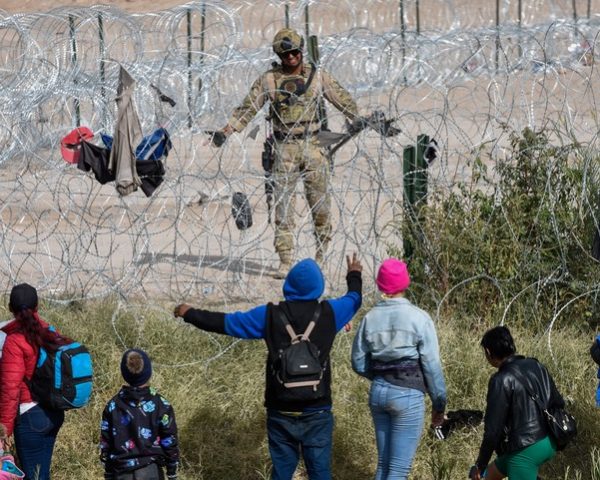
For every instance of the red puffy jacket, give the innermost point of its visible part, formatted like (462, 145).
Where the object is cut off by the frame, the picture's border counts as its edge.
(17, 363)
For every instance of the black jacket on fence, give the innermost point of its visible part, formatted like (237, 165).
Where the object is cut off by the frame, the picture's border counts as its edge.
(512, 419)
(96, 159)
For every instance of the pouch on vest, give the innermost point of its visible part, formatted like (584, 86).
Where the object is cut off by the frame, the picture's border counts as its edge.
(62, 379)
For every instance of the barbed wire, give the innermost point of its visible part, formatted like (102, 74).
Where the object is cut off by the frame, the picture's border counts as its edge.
(459, 78)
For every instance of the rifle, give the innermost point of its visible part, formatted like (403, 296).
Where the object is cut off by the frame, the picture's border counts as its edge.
(314, 59)
(332, 141)
(267, 163)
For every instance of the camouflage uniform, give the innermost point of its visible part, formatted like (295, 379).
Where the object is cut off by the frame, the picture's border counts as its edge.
(295, 121)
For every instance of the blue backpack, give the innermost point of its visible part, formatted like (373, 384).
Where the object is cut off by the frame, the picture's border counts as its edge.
(62, 380)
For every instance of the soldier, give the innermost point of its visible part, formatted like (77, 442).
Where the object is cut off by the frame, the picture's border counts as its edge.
(294, 90)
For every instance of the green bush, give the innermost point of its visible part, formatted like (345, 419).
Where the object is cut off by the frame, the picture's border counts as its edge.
(515, 242)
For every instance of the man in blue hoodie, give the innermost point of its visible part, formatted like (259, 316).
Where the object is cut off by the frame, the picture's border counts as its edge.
(298, 419)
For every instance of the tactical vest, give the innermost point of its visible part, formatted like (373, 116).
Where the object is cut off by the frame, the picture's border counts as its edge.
(293, 108)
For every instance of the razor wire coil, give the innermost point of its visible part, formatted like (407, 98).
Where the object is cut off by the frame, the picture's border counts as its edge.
(459, 78)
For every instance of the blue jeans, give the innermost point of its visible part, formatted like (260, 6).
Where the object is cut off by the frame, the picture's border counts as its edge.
(35, 434)
(310, 433)
(398, 414)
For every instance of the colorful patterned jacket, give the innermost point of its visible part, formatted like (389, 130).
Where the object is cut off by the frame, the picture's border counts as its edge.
(138, 428)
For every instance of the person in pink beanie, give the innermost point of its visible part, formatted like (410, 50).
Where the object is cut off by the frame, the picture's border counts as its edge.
(393, 278)
(396, 347)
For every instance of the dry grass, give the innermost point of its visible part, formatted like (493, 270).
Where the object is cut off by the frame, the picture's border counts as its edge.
(219, 405)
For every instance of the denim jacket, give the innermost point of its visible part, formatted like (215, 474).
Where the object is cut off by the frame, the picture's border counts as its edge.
(396, 329)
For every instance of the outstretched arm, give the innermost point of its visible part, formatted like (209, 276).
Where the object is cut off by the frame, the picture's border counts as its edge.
(202, 319)
(249, 324)
(243, 114)
(254, 101)
(338, 96)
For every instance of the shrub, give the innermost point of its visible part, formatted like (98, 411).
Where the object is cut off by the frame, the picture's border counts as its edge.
(516, 241)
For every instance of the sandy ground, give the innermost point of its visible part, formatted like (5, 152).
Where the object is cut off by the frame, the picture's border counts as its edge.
(76, 236)
(341, 15)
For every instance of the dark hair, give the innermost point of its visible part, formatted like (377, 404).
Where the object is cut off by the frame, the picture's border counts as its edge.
(35, 333)
(499, 342)
(23, 304)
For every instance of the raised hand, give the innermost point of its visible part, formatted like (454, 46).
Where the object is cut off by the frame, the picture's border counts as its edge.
(353, 263)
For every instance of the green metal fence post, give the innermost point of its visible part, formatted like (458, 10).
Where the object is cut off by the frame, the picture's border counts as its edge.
(415, 190)
(418, 17)
(403, 37)
(520, 23)
(307, 21)
(188, 15)
(408, 168)
(102, 47)
(74, 63)
(497, 34)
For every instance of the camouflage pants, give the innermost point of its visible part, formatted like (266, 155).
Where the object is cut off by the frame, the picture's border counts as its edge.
(295, 160)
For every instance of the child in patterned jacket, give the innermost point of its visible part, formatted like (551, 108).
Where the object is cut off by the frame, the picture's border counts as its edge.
(138, 433)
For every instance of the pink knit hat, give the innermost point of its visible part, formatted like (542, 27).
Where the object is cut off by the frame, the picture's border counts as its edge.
(393, 276)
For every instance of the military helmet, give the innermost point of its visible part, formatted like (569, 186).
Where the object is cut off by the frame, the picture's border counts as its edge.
(286, 40)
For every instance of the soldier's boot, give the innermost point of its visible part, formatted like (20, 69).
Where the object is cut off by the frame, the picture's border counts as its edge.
(285, 264)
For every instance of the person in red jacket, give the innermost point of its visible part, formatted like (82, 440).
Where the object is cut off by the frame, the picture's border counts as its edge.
(34, 428)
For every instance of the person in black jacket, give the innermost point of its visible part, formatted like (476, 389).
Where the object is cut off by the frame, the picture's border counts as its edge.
(595, 354)
(299, 419)
(138, 432)
(515, 427)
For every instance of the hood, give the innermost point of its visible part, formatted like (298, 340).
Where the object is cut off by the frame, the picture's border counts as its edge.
(304, 281)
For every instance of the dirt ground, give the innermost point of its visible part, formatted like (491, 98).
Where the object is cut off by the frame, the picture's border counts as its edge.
(342, 15)
(70, 236)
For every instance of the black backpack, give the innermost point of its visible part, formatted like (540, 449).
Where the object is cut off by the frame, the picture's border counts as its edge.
(297, 368)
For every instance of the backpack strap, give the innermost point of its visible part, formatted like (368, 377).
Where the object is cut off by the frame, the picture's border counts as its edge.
(313, 322)
(293, 335)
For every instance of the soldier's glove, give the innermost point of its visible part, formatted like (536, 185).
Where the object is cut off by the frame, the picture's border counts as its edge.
(217, 138)
(358, 125)
(381, 125)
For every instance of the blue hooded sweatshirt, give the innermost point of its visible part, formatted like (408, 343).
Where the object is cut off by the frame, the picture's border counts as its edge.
(304, 282)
